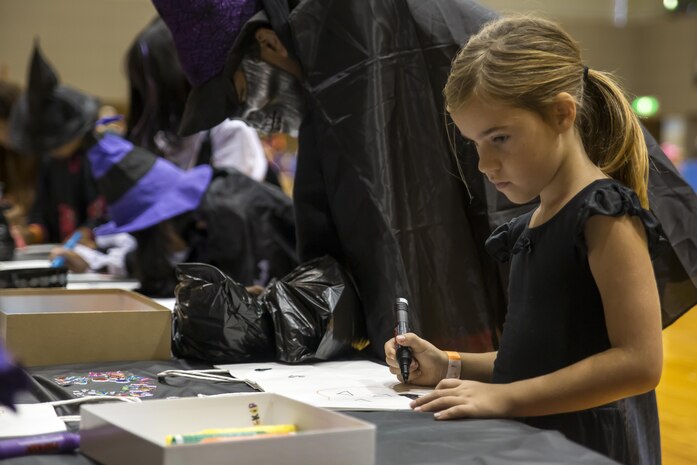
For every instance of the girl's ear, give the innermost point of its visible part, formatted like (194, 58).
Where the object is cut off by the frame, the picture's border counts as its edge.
(563, 112)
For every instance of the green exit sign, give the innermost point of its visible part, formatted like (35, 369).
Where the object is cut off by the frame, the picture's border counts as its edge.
(645, 105)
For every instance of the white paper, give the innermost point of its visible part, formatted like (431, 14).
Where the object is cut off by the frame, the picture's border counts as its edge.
(169, 303)
(30, 419)
(350, 385)
(24, 264)
(34, 251)
(125, 285)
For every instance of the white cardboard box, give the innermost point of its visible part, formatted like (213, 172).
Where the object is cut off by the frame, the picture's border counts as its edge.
(134, 433)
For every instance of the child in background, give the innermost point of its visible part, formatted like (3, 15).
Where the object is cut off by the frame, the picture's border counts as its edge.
(55, 122)
(158, 90)
(206, 215)
(581, 347)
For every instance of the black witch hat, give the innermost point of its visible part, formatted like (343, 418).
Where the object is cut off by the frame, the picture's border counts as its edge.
(49, 115)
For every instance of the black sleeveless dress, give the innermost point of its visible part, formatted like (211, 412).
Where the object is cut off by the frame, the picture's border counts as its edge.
(555, 318)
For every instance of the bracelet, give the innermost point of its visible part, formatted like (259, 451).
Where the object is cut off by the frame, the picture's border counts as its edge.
(454, 364)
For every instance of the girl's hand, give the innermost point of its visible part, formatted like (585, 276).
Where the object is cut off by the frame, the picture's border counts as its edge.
(455, 398)
(428, 366)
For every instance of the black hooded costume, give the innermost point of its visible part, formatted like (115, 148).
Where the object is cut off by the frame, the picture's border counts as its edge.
(377, 185)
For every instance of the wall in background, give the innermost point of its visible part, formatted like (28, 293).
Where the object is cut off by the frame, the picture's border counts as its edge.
(602, 10)
(86, 41)
(665, 54)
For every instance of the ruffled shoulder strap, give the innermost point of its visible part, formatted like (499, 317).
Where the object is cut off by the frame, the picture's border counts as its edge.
(614, 199)
(501, 242)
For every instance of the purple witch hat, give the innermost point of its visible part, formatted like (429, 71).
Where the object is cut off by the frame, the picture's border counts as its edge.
(209, 37)
(140, 188)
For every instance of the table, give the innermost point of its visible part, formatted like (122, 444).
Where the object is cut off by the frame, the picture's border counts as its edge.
(403, 438)
(76, 280)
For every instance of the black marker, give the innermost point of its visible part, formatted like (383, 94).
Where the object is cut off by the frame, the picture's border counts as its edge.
(401, 314)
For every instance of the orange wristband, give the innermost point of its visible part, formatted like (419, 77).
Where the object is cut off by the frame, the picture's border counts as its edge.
(454, 364)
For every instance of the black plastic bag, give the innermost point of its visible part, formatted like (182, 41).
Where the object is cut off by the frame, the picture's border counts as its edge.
(217, 320)
(311, 314)
(316, 313)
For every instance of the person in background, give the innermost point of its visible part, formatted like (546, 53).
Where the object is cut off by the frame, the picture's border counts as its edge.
(371, 138)
(581, 348)
(208, 215)
(55, 122)
(377, 183)
(157, 92)
(17, 171)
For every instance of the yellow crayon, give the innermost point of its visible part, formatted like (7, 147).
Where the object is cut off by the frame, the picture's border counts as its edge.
(208, 440)
(280, 428)
(244, 432)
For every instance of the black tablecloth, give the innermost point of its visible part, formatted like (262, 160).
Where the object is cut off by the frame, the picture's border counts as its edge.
(403, 438)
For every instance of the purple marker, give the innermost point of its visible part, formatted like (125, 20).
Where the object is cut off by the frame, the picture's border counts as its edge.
(43, 444)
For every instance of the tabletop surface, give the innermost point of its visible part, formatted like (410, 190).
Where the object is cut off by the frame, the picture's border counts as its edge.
(403, 438)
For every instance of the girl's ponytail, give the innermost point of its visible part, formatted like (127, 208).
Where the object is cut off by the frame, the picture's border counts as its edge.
(612, 135)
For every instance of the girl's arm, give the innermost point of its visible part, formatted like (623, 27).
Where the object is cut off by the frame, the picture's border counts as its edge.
(477, 366)
(430, 364)
(620, 263)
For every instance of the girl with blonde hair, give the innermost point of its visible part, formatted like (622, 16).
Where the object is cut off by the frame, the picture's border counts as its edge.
(581, 348)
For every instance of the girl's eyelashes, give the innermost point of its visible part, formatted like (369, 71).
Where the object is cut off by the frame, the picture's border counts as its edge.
(498, 139)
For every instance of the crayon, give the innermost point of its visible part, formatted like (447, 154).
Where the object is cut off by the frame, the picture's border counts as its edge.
(212, 439)
(244, 432)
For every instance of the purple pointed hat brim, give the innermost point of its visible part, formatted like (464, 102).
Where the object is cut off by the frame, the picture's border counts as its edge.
(177, 200)
(163, 192)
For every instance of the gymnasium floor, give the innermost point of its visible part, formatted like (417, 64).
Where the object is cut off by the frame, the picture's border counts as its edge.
(677, 392)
